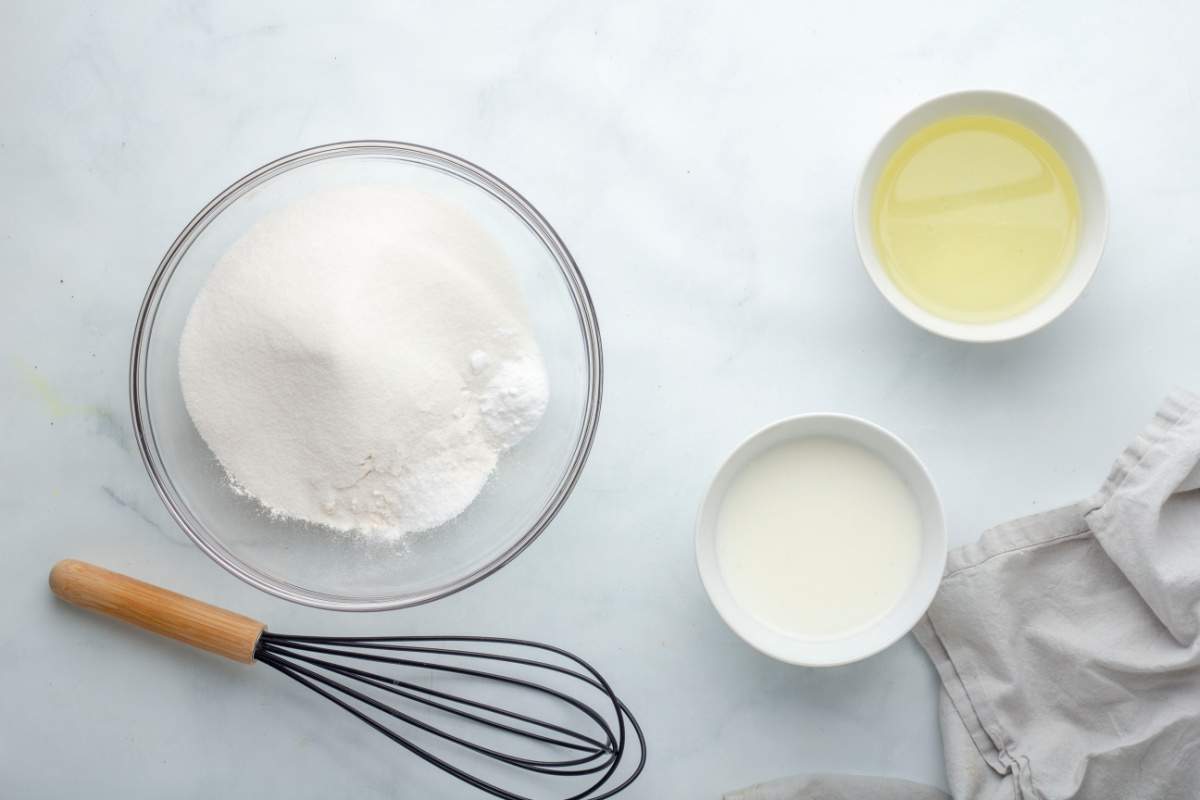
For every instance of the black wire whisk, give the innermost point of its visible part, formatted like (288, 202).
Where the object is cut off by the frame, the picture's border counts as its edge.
(570, 726)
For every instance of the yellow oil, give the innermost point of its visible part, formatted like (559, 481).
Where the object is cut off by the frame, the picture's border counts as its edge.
(975, 218)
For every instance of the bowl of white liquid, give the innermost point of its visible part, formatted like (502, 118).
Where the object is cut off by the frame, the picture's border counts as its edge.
(821, 540)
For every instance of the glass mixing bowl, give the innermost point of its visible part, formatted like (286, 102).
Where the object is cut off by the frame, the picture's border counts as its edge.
(313, 565)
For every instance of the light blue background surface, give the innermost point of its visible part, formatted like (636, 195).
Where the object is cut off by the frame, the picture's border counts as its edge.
(699, 160)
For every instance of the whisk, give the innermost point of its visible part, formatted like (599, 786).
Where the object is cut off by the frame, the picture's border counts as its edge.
(577, 735)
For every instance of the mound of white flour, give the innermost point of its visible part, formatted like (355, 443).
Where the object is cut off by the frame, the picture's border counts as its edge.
(360, 360)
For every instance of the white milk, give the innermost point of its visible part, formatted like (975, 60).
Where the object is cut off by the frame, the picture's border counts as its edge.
(818, 537)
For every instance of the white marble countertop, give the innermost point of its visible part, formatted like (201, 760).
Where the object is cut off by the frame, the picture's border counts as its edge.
(698, 158)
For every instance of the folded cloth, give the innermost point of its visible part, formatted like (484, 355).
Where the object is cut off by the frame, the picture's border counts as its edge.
(1068, 643)
(837, 787)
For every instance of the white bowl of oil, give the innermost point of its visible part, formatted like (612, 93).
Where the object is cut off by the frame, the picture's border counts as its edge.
(981, 216)
(821, 540)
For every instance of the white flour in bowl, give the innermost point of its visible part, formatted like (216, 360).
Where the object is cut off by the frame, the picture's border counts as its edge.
(360, 360)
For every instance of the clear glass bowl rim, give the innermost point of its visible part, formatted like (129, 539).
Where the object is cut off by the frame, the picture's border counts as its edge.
(428, 157)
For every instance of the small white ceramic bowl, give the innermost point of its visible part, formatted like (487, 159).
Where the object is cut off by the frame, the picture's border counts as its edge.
(829, 652)
(1093, 207)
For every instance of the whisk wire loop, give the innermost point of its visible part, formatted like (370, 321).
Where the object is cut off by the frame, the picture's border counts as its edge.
(386, 684)
(596, 752)
(597, 718)
(398, 687)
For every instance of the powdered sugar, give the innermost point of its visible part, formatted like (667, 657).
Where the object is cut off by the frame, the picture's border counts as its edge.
(514, 400)
(361, 359)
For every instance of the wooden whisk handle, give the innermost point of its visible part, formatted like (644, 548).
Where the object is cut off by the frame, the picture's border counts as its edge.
(155, 609)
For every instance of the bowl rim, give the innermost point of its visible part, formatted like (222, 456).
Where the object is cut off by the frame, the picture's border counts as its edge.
(723, 600)
(430, 157)
(1045, 311)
